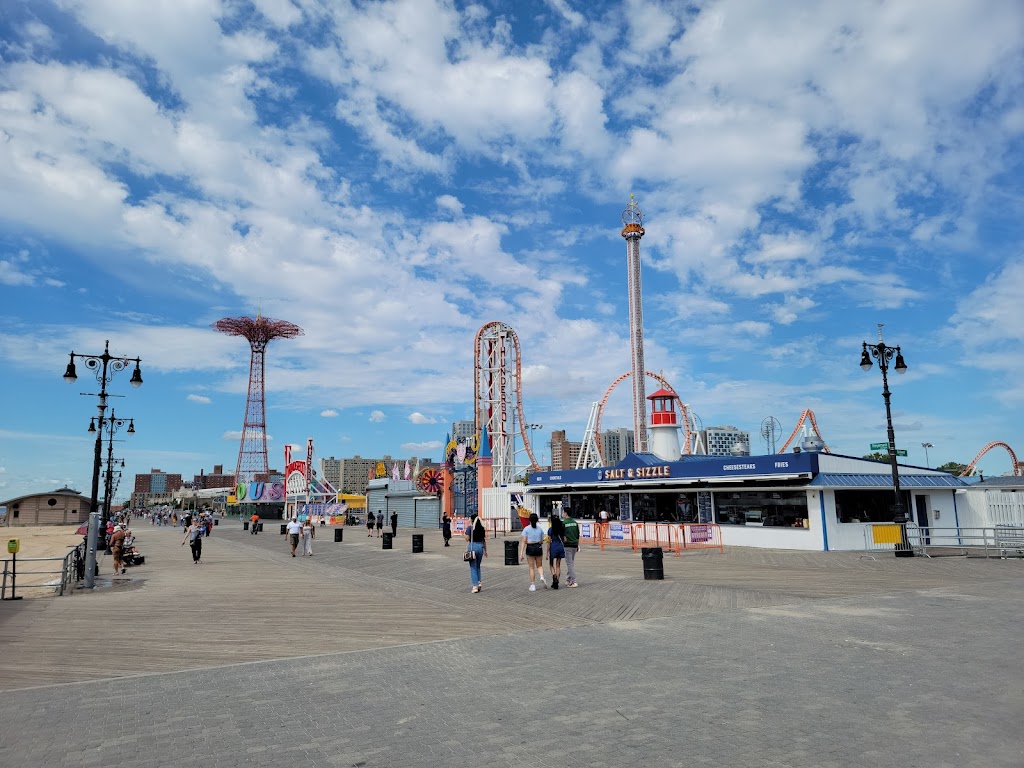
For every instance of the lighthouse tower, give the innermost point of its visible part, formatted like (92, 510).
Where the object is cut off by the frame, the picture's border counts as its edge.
(633, 230)
(664, 429)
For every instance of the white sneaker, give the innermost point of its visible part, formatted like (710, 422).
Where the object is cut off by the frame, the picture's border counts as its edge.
(533, 587)
(574, 584)
(543, 582)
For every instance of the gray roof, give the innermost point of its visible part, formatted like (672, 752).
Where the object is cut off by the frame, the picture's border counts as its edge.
(1005, 482)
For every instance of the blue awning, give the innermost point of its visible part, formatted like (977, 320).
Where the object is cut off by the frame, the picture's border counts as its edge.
(843, 480)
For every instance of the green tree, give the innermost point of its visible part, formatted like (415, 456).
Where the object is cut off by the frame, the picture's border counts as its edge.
(878, 457)
(954, 468)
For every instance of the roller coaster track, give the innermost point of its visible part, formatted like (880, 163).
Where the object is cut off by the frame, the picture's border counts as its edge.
(664, 382)
(807, 415)
(1018, 467)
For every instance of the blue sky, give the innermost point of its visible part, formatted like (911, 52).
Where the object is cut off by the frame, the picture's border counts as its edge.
(391, 176)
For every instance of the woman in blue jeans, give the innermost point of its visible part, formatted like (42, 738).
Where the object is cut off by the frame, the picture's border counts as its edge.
(476, 542)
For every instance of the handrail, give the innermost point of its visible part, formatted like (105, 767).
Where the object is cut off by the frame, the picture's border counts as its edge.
(72, 569)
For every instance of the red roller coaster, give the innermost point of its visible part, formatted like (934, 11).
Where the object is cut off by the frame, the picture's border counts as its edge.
(1018, 467)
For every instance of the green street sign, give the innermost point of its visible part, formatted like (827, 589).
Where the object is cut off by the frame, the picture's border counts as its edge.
(900, 452)
(879, 446)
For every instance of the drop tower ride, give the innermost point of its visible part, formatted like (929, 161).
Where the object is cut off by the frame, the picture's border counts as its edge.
(633, 230)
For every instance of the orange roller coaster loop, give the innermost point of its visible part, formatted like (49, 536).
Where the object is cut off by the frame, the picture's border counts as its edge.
(1018, 468)
(685, 411)
(807, 415)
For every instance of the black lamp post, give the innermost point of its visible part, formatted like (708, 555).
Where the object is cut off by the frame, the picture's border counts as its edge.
(113, 424)
(884, 354)
(103, 367)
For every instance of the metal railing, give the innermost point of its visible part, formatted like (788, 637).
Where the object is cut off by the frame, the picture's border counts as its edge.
(998, 541)
(70, 572)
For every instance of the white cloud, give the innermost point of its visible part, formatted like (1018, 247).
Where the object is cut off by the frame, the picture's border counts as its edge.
(236, 435)
(377, 416)
(11, 275)
(199, 399)
(416, 448)
(418, 418)
(329, 413)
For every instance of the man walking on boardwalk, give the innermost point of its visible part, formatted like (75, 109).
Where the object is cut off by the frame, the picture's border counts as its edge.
(572, 546)
(394, 524)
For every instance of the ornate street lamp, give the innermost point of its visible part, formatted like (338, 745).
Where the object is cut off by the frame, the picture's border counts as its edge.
(884, 354)
(103, 367)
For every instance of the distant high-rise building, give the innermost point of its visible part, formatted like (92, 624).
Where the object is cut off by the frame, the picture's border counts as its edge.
(464, 428)
(564, 453)
(615, 444)
(726, 441)
(330, 470)
(216, 479)
(157, 481)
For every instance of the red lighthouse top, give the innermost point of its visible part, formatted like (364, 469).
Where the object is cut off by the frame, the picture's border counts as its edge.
(663, 407)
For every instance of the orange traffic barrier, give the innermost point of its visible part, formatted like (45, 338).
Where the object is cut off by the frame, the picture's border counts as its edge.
(700, 536)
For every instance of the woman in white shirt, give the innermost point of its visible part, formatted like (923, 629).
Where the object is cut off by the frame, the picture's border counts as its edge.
(308, 534)
(532, 550)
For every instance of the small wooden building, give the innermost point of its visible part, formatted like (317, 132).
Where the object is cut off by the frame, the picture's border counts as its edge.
(64, 506)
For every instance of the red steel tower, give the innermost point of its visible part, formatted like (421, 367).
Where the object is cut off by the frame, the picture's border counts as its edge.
(260, 331)
(633, 230)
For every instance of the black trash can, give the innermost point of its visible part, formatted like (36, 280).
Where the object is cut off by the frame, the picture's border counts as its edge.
(339, 534)
(284, 528)
(245, 525)
(216, 521)
(417, 543)
(511, 552)
(385, 541)
(654, 566)
(260, 529)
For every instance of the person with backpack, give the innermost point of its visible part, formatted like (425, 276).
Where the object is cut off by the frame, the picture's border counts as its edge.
(571, 540)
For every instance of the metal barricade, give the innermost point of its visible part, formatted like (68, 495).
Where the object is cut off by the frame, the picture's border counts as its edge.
(930, 541)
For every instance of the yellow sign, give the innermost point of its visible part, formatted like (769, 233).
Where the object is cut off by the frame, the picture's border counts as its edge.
(13, 546)
(886, 534)
(232, 499)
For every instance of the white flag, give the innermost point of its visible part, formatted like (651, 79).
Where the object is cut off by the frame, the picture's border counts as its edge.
(408, 470)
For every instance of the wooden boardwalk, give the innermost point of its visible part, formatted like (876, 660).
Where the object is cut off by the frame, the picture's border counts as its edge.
(250, 600)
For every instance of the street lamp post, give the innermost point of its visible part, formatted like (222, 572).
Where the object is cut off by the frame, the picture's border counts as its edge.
(113, 424)
(884, 354)
(926, 446)
(103, 367)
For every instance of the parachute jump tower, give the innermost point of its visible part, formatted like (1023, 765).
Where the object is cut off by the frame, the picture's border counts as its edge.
(633, 230)
(259, 331)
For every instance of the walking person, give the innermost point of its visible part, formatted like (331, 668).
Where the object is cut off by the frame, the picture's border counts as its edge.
(194, 537)
(369, 524)
(476, 549)
(117, 548)
(532, 550)
(446, 528)
(380, 522)
(308, 534)
(254, 522)
(294, 530)
(394, 524)
(571, 540)
(556, 549)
